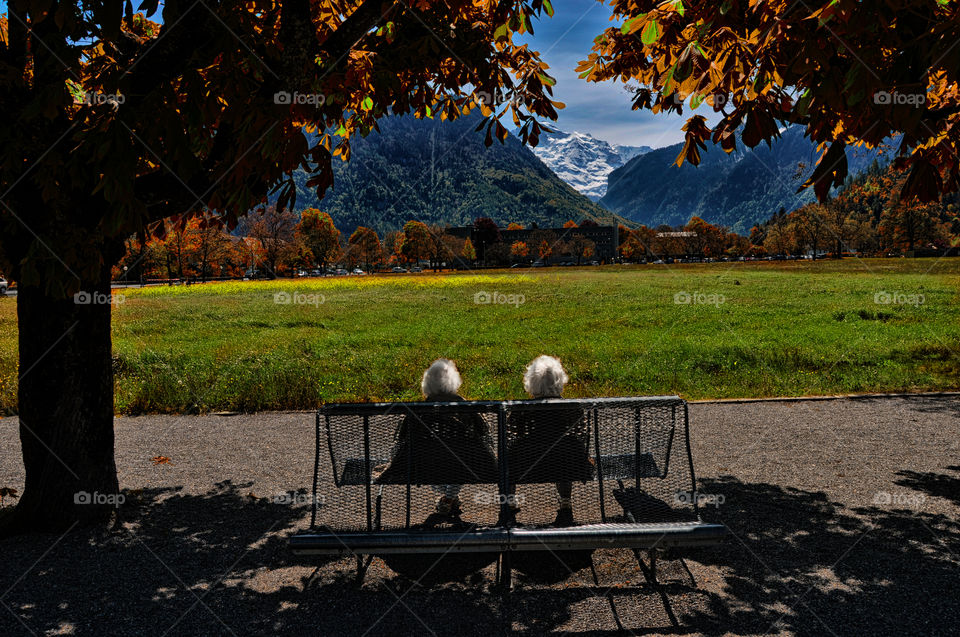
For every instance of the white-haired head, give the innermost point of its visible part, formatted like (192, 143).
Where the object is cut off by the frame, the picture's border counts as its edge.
(545, 377)
(441, 379)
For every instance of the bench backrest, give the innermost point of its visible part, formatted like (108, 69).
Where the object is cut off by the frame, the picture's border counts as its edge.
(628, 459)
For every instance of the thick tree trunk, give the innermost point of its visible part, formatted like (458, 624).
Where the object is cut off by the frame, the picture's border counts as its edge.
(66, 408)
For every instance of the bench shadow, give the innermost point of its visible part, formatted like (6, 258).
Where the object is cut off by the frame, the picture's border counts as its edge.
(217, 563)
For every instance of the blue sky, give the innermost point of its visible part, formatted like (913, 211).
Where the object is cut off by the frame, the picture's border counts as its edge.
(603, 110)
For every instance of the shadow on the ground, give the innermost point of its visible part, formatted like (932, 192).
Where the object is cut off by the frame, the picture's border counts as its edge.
(808, 565)
(939, 405)
(934, 484)
(217, 563)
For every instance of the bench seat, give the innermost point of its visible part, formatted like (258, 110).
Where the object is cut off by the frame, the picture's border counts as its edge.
(588, 536)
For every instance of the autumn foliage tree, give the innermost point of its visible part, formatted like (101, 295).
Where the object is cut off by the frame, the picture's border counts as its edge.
(850, 72)
(275, 230)
(114, 122)
(581, 247)
(544, 250)
(317, 232)
(468, 252)
(519, 249)
(417, 241)
(366, 245)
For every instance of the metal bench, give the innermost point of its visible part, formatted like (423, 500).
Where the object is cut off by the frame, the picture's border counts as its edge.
(641, 496)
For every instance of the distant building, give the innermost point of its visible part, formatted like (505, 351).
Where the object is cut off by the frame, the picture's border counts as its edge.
(605, 238)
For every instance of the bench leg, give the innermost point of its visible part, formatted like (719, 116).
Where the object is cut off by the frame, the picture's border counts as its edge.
(504, 574)
(613, 605)
(362, 566)
(650, 574)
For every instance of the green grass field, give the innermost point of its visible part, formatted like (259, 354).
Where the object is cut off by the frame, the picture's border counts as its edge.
(750, 330)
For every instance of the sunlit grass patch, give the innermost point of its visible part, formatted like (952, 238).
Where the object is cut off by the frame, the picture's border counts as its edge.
(339, 283)
(701, 331)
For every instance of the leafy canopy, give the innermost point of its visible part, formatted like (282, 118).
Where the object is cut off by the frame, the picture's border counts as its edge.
(851, 72)
(124, 121)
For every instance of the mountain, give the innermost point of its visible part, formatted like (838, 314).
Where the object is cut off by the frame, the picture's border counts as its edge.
(583, 161)
(439, 171)
(737, 190)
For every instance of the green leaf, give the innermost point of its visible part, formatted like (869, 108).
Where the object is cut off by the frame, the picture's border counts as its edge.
(628, 25)
(678, 7)
(546, 79)
(651, 33)
(803, 104)
(527, 24)
(367, 104)
(548, 7)
(696, 100)
(503, 31)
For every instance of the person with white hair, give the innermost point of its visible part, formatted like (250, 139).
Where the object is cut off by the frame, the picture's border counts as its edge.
(549, 445)
(442, 449)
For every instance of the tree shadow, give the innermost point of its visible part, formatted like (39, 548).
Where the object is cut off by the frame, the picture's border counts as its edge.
(939, 405)
(934, 484)
(217, 563)
(799, 562)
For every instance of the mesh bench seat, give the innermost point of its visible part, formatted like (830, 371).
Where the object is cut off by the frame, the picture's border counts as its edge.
(590, 536)
(628, 460)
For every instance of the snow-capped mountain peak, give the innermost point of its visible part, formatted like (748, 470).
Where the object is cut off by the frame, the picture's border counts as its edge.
(583, 161)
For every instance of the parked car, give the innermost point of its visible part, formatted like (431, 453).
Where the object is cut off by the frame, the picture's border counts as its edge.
(341, 272)
(416, 268)
(398, 269)
(3, 286)
(358, 271)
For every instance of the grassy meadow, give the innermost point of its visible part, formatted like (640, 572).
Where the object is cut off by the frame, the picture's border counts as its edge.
(748, 330)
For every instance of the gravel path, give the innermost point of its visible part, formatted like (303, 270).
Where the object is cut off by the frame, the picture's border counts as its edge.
(843, 514)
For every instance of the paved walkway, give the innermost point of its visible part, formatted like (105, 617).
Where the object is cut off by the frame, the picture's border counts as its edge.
(844, 520)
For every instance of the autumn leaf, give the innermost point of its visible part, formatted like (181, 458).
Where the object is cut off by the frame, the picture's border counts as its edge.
(696, 134)
(651, 33)
(830, 171)
(7, 492)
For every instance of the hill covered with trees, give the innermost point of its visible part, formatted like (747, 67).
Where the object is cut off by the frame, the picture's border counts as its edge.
(440, 172)
(737, 190)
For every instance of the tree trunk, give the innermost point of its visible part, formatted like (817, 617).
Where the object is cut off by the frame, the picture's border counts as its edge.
(66, 408)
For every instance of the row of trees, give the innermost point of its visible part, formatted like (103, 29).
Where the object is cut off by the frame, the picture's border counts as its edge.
(278, 242)
(697, 238)
(868, 217)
